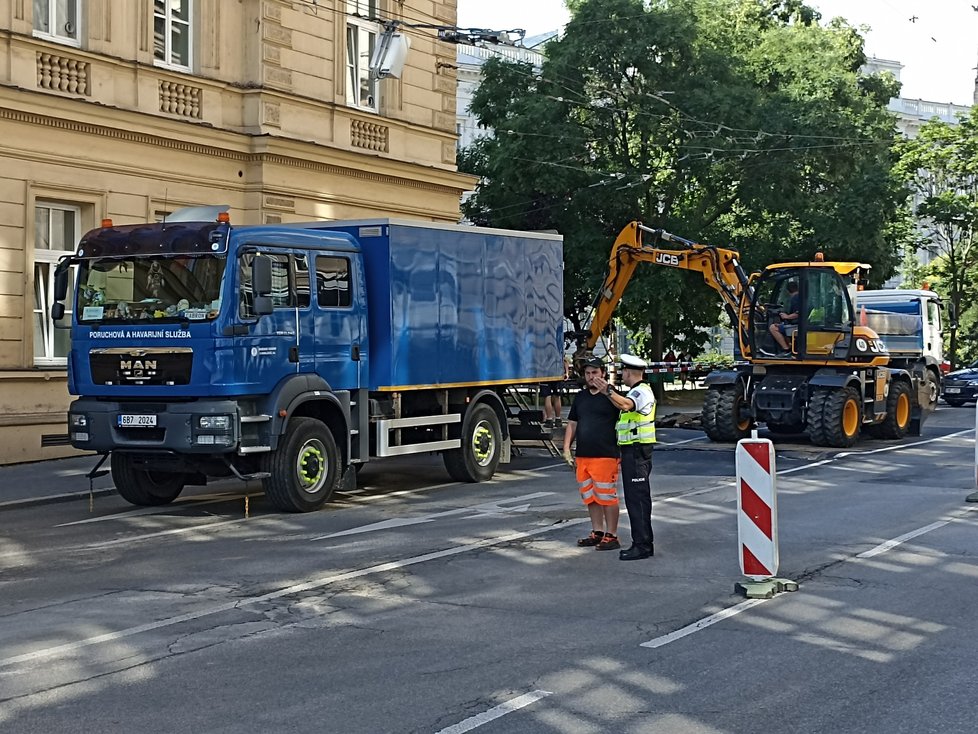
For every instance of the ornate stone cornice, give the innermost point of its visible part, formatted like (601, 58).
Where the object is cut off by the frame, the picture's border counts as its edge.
(217, 151)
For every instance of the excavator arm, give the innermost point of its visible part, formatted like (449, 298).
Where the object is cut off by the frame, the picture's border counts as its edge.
(720, 268)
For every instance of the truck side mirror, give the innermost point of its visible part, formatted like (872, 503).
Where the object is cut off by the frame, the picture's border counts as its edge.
(261, 285)
(952, 316)
(61, 275)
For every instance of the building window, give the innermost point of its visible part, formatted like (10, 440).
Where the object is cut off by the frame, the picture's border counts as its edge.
(361, 39)
(172, 33)
(57, 20)
(55, 234)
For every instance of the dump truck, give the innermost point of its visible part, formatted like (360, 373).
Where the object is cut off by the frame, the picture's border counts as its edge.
(911, 323)
(833, 381)
(294, 354)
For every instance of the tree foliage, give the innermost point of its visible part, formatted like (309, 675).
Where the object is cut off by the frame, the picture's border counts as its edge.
(941, 166)
(738, 122)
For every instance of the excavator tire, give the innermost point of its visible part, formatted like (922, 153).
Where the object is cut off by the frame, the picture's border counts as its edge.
(834, 417)
(721, 417)
(899, 407)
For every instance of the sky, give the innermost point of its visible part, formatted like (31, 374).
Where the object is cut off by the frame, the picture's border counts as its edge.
(936, 41)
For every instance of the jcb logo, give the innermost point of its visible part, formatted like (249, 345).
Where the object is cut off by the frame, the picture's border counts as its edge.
(665, 259)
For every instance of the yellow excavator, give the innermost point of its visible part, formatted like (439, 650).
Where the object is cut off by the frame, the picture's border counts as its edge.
(808, 365)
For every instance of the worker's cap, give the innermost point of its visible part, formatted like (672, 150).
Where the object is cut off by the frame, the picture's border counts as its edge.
(632, 362)
(594, 362)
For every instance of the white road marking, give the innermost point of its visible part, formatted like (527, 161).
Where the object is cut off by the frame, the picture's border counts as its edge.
(891, 544)
(174, 531)
(702, 623)
(318, 583)
(680, 443)
(745, 605)
(495, 712)
(491, 508)
(190, 502)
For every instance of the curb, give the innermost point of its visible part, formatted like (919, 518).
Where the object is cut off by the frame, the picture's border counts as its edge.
(52, 499)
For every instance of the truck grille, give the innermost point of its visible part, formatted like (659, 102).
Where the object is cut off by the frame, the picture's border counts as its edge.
(122, 366)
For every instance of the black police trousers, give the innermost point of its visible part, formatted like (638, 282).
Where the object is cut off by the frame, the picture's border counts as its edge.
(636, 468)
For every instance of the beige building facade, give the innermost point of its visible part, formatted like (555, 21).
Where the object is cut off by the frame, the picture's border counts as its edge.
(129, 109)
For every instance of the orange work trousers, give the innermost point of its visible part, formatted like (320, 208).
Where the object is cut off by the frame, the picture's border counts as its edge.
(597, 478)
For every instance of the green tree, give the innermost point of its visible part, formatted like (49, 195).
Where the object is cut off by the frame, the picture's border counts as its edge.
(726, 121)
(941, 166)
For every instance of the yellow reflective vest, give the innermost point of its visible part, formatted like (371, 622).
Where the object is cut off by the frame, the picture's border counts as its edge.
(636, 427)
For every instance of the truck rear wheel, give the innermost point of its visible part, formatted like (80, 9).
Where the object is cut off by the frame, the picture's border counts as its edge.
(482, 440)
(305, 468)
(834, 417)
(899, 406)
(723, 415)
(144, 487)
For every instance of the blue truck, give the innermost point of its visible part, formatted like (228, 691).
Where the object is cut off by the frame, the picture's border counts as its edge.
(296, 353)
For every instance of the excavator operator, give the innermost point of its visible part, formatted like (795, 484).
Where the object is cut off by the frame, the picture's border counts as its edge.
(787, 318)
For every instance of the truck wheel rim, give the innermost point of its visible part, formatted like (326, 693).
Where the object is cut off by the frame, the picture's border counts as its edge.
(483, 443)
(850, 418)
(902, 410)
(311, 466)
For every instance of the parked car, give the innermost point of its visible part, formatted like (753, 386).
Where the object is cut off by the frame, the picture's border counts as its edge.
(961, 386)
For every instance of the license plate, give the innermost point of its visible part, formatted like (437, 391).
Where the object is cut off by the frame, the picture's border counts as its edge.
(952, 390)
(137, 421)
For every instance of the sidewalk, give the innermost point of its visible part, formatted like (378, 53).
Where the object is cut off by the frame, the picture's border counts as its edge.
(60, 480)
(56, 480)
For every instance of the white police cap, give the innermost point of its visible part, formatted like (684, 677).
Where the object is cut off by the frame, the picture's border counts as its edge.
(633, 362)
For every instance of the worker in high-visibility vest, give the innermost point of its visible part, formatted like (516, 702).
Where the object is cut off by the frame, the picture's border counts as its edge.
(636, 436)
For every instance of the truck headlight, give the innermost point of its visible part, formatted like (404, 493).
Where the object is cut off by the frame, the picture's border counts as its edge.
(214, 422)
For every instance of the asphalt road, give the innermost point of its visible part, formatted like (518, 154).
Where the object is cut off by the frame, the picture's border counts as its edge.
(421, 605)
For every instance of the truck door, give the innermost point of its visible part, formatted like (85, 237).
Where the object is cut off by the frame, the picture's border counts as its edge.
(270, 350)
(340, 333)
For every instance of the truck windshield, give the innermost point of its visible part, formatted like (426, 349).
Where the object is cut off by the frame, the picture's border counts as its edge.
(140, 289)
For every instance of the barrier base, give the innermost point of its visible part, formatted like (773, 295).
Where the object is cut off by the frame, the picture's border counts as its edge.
(973, 497)
(764, 589)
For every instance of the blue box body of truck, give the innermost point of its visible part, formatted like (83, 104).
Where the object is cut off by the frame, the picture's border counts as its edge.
(452, 305)
(295, 353)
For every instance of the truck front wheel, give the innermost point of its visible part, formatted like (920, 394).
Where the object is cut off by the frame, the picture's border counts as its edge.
(482, 439)
(144, 487)
(305, 469)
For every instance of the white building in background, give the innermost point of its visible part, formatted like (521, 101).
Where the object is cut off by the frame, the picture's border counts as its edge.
(470, 60)
(911, 116)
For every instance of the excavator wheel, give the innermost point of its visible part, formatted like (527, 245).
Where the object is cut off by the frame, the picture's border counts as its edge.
(724, 416)
(835, 417)
(899, 407)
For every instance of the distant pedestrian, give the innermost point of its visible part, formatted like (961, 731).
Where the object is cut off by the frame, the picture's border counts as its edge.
(636, 436)
(591, 422)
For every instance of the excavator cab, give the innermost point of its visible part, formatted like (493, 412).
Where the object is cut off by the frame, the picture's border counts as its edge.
(810, 306)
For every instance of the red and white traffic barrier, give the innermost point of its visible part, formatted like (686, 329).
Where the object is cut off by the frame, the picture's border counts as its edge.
(757, 508)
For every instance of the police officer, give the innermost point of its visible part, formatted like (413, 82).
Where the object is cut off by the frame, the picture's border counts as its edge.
(636, 435)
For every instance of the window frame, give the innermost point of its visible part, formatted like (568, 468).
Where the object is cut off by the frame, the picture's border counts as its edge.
(243, 285)
(168, 22)
(349, 283)
(47, 258)
(358, 25)
(56, 37)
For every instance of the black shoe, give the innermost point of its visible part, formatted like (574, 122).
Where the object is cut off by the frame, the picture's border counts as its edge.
(635, 553)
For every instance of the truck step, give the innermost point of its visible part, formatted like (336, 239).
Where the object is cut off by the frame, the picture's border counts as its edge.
(254, 449)
(255, 418)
